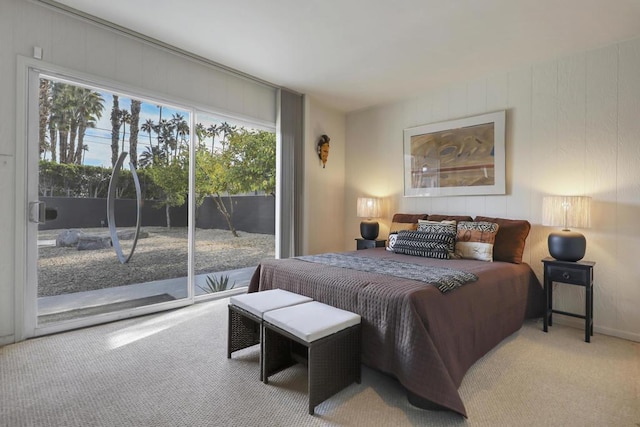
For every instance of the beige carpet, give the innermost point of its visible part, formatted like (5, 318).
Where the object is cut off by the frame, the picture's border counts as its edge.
(170, 369)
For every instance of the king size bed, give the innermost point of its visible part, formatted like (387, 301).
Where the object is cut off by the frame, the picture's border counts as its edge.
(425, 321)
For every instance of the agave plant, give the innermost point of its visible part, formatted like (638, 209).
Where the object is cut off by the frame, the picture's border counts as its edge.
(217, 284)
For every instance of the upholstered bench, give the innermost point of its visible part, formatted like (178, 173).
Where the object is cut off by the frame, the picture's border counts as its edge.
(245, 316)
(326, 338)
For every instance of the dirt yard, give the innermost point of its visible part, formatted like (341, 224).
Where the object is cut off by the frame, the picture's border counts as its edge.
(161, 255)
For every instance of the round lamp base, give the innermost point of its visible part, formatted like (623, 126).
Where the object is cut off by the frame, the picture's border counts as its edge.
(567, 245)
(369, 230)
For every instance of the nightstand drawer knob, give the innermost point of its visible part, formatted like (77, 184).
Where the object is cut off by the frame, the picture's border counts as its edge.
(566, 275)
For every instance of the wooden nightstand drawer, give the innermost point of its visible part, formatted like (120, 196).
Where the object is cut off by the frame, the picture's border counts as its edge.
(369, 244)
(568, 275)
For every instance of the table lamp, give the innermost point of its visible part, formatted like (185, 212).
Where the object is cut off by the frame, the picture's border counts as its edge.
(567, 211)
(369, 208)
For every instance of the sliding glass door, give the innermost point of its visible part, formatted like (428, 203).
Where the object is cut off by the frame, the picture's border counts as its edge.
(111, 210)
(137, 204)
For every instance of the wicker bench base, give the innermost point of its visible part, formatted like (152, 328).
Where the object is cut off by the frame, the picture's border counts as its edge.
(245, 317)
(244, 331)
(333, 362)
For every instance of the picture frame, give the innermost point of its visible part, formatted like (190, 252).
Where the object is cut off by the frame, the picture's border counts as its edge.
(461, 157)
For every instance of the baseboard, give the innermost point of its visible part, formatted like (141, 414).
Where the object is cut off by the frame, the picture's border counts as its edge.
(9, 339)
(579, 324)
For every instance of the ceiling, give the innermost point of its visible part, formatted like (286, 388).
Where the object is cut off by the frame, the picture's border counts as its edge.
(352, 54)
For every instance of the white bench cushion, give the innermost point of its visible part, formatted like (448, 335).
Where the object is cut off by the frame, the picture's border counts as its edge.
(312, 321)
(257, 303)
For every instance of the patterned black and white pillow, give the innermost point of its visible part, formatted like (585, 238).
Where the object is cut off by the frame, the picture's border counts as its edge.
(433, 241)
(391, 241)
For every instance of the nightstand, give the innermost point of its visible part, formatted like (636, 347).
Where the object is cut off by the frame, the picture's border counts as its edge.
(368, 244)
(578, 273)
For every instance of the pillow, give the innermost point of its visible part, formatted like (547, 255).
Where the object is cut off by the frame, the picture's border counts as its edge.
(422, 226)
(427, 221)
(435, 241)
(456, 218)
(474, 240)
(510, 240)
(408, 218)
(402, 221)
(391, 241)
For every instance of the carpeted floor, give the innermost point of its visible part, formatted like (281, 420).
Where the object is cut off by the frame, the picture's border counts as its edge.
(170, 369)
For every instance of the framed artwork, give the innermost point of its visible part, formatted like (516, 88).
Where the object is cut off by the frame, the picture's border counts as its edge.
(462, 157)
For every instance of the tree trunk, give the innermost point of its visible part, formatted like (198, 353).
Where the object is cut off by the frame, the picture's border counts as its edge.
(115, 130)
(133, 132)
(166, 208)
(71, 148)
(82, 128)
(53, 142)
(225, 213)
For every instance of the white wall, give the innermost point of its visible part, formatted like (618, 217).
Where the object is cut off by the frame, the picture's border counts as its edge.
(90, 49)
(323, 194)
(573, 127)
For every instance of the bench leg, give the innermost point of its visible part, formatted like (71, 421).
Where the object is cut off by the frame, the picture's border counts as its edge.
(276, 353)
(334, 363)
(242, 333)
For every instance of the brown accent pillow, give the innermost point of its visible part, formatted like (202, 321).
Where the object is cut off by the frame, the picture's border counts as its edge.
(456, 218)
(410, 218)
(402, 221)
(510, 240)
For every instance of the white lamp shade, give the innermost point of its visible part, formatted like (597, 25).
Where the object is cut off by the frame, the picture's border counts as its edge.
(368, 207)
(566, 211)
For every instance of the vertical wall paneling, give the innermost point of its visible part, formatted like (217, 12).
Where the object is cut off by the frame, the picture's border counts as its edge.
(569, 153)
(458, 101)
(496, 206)
(520, 175)
(477, 97)
(101, 54)
(572, 128)
(324, 188)
(628, 184)
(68, 38)
(601, 140)
(544, 135)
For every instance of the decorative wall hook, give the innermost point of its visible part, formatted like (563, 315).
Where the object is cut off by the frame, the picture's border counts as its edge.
(323, 149)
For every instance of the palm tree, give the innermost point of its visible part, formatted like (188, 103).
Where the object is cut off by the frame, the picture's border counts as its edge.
(71, 110)
(115, 130)
(201, 133)
(181, 128)
(90, 107)
(227, 130)
(125, 117)
(59, 119)
(152, 156)
(133, 131)
(85, 148)
(214, 131)
(148, 127)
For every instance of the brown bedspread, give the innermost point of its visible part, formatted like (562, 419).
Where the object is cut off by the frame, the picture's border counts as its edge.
(426, 339)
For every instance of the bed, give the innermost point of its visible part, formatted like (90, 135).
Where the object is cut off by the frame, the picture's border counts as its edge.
(412, 330)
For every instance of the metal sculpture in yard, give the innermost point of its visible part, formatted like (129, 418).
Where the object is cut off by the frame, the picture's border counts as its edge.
(111, 217)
